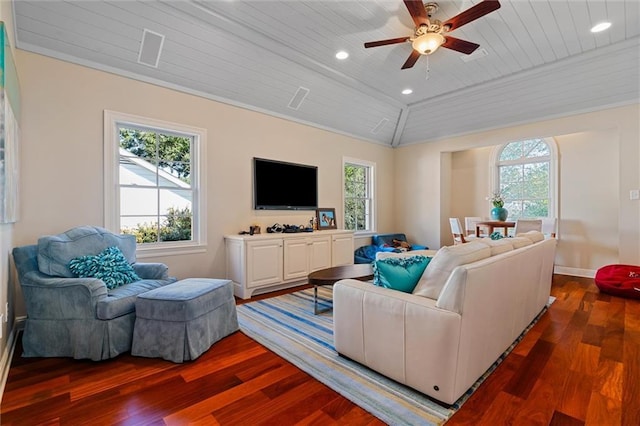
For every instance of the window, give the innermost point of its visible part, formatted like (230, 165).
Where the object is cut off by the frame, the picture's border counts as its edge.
(358, 195)
(153, 182)
(525, 175)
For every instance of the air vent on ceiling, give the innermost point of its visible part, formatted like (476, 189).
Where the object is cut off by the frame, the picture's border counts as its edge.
(150, 48)
(298, 98)
(479, 53)
(380, 125)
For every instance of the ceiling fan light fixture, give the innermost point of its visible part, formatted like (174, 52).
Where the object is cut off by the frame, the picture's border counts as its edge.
(428, 43)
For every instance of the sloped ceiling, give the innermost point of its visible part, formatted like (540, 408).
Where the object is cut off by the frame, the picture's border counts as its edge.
(541, 59)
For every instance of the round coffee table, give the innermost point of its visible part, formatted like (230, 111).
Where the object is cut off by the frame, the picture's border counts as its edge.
(329, 276)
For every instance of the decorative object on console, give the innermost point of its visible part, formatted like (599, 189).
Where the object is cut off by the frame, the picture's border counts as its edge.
(326, 218)
(275, 228)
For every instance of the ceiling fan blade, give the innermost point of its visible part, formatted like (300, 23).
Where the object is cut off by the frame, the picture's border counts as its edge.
(471, 14)
(411, 61)
(459, 45)
(385, 42)
(417, 12)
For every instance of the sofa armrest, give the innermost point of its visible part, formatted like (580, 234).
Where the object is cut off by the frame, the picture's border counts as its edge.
(151, 271)
(400, 335)
(61, 298)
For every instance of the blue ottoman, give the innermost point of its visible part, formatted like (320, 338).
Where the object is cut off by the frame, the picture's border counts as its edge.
(180, 321)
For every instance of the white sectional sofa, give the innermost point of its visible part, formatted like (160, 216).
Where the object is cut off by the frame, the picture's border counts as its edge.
(471, 303)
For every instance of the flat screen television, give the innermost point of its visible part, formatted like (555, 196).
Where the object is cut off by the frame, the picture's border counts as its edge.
(278, 185)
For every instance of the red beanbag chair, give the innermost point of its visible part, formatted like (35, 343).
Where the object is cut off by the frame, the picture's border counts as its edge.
(619, 280)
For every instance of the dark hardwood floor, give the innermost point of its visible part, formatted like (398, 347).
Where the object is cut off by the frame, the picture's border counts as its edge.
(579, 365)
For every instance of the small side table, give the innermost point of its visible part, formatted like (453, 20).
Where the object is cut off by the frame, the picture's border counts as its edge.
(329, 276)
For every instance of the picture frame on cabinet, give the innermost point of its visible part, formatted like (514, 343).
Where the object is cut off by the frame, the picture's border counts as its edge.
(326, 218)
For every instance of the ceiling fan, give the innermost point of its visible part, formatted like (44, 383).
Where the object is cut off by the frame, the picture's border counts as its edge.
(428, 33)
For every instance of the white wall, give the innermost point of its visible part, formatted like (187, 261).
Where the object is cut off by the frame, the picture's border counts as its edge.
(62, 142)
(599, 164)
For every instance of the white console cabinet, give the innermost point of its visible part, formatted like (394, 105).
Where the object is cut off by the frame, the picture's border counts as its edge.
(268, 262)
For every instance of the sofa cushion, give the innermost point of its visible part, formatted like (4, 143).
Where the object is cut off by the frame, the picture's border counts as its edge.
(520, 242)
(497, 246)
(534, 236)
(110, 266)
(121, 301)
(56, 251)
(444, 262)
(399, 273)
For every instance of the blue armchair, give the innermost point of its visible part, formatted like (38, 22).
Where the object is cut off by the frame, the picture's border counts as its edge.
(79, 317)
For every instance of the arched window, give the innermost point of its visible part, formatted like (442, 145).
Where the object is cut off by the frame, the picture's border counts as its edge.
(525, 173)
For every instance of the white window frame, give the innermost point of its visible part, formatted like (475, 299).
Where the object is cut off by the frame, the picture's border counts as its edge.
(112, 121)
(371, 167)
(553, 171)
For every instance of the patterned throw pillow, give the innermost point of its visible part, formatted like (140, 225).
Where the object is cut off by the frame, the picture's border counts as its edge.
(399, 273)
(110, 266)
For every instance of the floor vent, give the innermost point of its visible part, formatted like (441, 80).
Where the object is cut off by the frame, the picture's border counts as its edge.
(380, 125)
(150, 48)
(298, 98)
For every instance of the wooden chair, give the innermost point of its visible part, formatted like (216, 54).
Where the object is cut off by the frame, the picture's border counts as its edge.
(470, 226)
(458, 233)
(526, 225)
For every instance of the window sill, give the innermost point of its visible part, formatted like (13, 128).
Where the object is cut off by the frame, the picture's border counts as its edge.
(144, 251)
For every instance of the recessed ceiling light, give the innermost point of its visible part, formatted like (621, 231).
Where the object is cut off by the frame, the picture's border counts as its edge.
(342, 55)
(407, 91)
(600, 27)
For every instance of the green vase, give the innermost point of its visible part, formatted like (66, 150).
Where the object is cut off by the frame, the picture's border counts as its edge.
(499, 213)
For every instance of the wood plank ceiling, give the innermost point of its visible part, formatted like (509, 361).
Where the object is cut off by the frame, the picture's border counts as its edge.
(541, 59)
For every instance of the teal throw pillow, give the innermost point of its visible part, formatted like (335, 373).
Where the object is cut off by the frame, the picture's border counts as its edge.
(110, 266)
(399, 273)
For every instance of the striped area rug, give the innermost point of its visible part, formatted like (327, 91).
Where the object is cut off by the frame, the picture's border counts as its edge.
(287, 326)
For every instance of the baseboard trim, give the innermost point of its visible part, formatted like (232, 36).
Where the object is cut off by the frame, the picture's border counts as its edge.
(576, 272)
(7, 356)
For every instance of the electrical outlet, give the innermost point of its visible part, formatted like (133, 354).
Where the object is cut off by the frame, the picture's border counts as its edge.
(634, 194)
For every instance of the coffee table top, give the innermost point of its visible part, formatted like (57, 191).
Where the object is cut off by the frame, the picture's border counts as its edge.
(329, 276)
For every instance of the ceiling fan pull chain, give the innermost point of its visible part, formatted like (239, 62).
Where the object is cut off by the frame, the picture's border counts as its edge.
(427, 76)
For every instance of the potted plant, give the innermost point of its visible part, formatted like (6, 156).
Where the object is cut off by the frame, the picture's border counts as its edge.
(498, 212)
